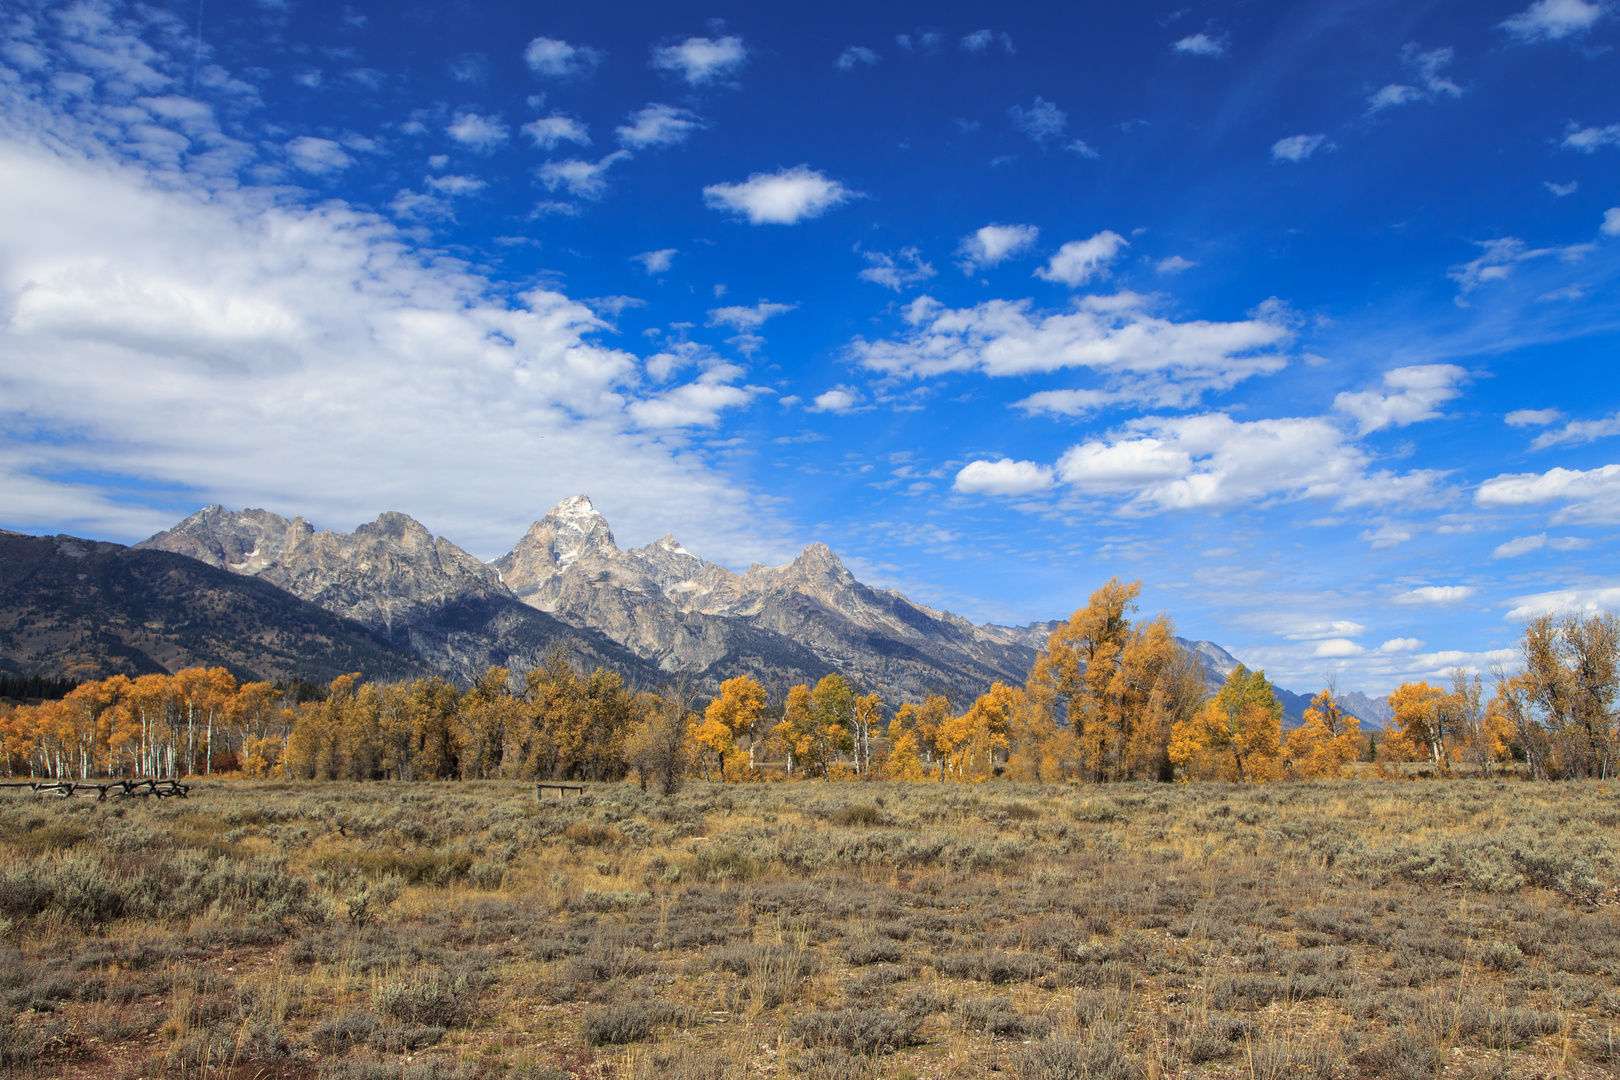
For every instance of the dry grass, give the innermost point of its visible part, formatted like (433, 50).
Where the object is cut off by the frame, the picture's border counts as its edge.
(470, 932)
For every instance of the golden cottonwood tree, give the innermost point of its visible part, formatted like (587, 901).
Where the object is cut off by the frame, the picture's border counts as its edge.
(1103, 670)
(1326, 742)
(1233, 736)
(737, 711)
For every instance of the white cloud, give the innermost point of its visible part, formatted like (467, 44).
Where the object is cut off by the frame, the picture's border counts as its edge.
(1428, 67)
(1533, 417)
(548, 131)
(1338, 647)
(840, 399)
(702, 60)
(1315, 629)
(1211, 461)
(748, 318)
(1392, 95)
(696, 404)
(1175, 264)
(1069, 402)
(455, 185)
(1578, 431)
(1593, 600)
(583, 179)
(1401, 645)
(785, 197)
(1499, 257)
(898, 271)
(1523, 545)
(1079, 261)
(1148, 358)
(1591, 496)
(171, 332)
(1420, 389)
(855, 54)
(994, 244)
(318, 156)
(1042, 121)
(1201, 45)
(1298, 147)
(559, 60)
(981, 40)
(1589, 139)
(1435, 595)
(658, 125)
(1387, 535)
(1560, 190)
(1549, 20)
(1611, 222)
(1004, 477)
(656, 262)
(480, 133)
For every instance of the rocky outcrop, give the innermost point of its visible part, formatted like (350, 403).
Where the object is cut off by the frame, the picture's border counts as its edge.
(393, 576)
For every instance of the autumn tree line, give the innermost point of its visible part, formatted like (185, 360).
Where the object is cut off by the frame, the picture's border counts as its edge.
(1111, 698)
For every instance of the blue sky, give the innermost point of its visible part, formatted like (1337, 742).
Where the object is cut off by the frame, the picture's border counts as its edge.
(1304, 314)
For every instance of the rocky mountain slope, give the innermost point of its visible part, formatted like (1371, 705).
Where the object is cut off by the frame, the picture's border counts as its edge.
(88, 609)
(650, 612)
(420, 593)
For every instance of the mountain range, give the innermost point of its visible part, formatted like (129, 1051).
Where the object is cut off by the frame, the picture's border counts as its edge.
(651, 612)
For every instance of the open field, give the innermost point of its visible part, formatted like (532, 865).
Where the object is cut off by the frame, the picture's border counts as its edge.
(467, 930)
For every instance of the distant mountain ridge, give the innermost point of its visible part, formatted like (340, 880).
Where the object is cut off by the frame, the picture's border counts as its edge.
(88, 609)
(651, 612)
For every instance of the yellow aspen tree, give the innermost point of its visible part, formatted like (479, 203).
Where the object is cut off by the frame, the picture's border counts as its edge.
(736, 712)
(1420, 717)
(1235, 735)
(1326, 742)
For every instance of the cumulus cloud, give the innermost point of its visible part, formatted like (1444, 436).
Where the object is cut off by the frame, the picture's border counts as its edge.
(748, 318)
(557, 59)
(1592, 600)
(1586, 140)
(898, 271)
(1611, 222)
(317, 156)
(658, 125)
(1314, 629)
(1550, 20)
(1079, 261)
(1427, 66)
(1298, 147)
(1560, 190)
(1436, 595)
(701, 60)
(1147, 357)
(1003, 477)
(1418, 390)
(1175, 264)
(480, 133)
(1212, 462)
(994, 244)
(1590, 496)
(582, 179)
(548, 131)
(1578, 431)
(170, 334)
(1043, 122)
(1401, 645)
(1200, 45)
(981, 40)
(747, 321)
(1524, 545)
(1337, 647)
(785, 197)
(840, 399)
(700, 403)
(855, 54)
(656, 262)
(455, 185)
(1533, 417)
